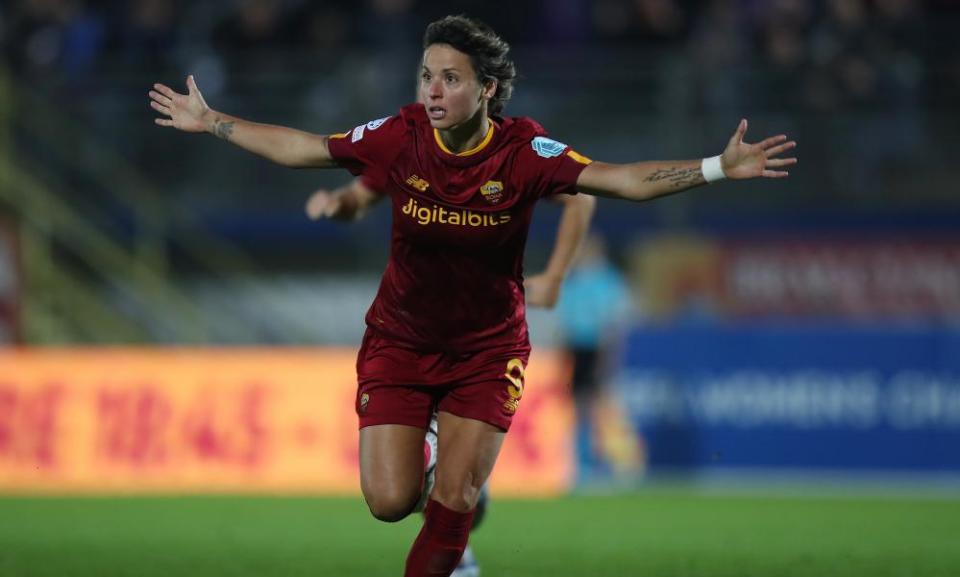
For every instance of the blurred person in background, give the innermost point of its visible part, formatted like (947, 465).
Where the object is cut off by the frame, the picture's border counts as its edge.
(54, 41)
(249, 37)
(447, 330)
(145, 35)
(593, 310)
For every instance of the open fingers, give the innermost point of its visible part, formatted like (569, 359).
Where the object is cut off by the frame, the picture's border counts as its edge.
(165, 90)
(775, 173)
(775, 150)
(160, 98)
(160, 108)
(778, 162)
(772, 141)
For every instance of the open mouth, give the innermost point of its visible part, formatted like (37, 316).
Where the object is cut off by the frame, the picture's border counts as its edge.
(436, 112)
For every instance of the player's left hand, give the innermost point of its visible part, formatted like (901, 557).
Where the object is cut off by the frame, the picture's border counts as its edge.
(742, 160)
(322, 204)
(542, 290)
(188, 112)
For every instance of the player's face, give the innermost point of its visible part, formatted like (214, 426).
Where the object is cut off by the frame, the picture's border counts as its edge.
(449, 88)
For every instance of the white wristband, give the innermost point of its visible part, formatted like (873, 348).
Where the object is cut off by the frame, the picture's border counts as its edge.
(712, 170)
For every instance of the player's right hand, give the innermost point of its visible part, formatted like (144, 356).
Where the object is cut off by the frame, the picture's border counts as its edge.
(542, 290)
(186, 112)
(322, 204)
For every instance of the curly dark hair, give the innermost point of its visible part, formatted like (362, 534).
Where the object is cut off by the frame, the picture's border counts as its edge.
(487, 51)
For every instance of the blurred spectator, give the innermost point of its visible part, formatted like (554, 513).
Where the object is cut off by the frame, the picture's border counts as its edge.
(868, 65)
(256, 25)
(54, 40)
(649, 23)
(323, 31)
(721, 54)
(250, 38)
(390, 25)
(146, 34)
(565, 21)
(783, 32)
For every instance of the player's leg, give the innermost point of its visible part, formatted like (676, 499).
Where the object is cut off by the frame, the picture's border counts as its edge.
(467, 451)
(584, 398)
(481, 510)
(429, 463)
(393, 421)
(391, 469)
(468, 566)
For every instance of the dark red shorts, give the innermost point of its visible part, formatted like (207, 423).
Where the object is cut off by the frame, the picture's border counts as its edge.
(399, 385)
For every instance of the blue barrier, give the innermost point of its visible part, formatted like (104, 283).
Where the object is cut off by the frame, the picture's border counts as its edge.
(789, 396)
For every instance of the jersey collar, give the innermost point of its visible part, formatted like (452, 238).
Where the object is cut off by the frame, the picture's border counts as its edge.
(483, 143)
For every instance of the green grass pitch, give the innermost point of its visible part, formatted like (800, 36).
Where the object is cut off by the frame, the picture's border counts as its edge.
(650, 533)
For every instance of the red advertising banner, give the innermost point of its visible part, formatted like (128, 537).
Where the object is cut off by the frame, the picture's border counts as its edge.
(849, 279)
(876, 279)
(226, 420)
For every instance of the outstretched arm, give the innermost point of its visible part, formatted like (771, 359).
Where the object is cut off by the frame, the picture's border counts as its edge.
(648, 180)
(543, 290)
(349, 202)
(287, 146)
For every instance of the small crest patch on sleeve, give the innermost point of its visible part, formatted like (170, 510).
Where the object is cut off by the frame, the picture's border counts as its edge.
(372, 125)
(547, 147)
(357, 133)
(375, 124)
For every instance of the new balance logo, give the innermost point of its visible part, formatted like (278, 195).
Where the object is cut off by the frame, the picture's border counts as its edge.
(418, 183)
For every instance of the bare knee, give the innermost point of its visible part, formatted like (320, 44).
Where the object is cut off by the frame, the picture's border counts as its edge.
(390, 505)
(460, 496)
(391, 469)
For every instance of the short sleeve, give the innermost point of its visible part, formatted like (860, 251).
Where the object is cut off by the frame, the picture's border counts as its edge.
(555, 166)
(369, 148)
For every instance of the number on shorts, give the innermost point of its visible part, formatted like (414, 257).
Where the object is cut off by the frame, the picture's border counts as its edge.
(516, 387)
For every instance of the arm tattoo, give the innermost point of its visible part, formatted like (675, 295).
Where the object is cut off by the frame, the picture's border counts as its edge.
(677, 177)
(223, 129)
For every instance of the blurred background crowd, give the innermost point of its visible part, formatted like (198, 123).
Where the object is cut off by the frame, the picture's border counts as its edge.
(810, 322)
(868, 88)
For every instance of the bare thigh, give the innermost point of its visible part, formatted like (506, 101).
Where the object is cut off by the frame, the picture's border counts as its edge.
(391, 469)
(467, 450)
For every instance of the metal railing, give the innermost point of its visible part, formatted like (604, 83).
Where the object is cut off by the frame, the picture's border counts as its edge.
(97, 269)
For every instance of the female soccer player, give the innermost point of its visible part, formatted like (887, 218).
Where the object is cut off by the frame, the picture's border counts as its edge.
(540, 290)
(446, 331)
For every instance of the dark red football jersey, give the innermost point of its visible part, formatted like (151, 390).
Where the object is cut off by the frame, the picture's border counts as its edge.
(454, 279)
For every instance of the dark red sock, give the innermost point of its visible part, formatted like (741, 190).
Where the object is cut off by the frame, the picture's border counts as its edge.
(441, 542)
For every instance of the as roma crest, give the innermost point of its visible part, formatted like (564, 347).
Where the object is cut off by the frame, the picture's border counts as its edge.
(492, 191)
